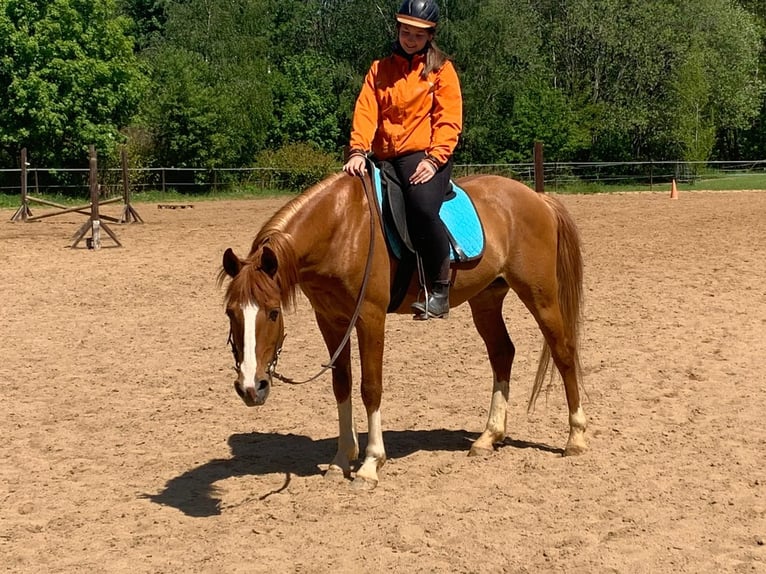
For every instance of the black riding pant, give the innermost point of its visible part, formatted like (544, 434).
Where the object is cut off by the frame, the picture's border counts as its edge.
(422, 203)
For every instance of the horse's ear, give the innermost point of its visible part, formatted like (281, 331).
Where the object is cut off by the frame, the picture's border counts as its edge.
(231, 263)
(269, 261)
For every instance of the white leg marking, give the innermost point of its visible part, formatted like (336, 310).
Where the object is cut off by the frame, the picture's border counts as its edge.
(375, 448)
(348, 444)
(375, 454)
(494, 432)
(577, 424)
(577, 420)
(498, 409)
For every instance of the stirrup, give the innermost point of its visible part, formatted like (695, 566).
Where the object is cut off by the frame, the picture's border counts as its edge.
(421, 315)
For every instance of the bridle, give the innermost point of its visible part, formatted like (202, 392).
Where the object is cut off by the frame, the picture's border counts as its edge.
(271, 368)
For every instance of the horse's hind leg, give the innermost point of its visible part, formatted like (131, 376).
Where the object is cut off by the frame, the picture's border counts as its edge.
(563, 350)
(487, 311)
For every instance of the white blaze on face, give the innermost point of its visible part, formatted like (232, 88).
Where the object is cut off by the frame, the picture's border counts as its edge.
(247, 368)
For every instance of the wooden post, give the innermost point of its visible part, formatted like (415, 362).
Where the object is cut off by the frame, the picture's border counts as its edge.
(94, 221)
(539, 168)
(128, 213)
(94, 198)
(23, 212)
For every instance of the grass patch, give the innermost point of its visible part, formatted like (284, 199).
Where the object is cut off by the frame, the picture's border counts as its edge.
(233, 192)
(706, 182)
(728, 182)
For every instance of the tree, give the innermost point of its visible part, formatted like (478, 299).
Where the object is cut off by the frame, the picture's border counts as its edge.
(148, 17)
(630, 70)
(723, 42)
(612, 69)
(210, 102)
(305, 106)
(504, 84)
(694, 127)
(749, 143)
(69, 78)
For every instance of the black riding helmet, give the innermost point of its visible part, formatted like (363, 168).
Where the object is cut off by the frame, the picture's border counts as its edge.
(419, 13)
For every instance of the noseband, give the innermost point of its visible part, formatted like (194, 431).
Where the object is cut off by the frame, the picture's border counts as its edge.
(271, 368)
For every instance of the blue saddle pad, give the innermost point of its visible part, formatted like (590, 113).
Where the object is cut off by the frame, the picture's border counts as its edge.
(459, 216)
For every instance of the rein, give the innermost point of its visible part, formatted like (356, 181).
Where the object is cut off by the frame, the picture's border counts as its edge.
(272, 367)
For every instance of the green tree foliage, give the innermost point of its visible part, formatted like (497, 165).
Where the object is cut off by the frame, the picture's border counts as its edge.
(69, 78)
(510, 97)
(750, 142)
(692, 121)
(593, 79)
(148, 17)
(611, 60)
(210, 103)
(297, 166)
(305, 105)
(628, 63)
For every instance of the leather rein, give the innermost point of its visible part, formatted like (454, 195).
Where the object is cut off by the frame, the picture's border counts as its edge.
(272, 367)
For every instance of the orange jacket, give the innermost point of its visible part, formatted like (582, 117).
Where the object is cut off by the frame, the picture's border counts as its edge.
(398, 112)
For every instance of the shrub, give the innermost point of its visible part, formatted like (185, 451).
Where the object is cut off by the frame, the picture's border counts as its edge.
(297, 166)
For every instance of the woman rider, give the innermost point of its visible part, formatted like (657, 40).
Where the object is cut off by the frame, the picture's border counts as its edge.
(409, 112)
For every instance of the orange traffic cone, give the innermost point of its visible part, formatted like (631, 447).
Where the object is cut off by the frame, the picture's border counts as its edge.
(673, 190)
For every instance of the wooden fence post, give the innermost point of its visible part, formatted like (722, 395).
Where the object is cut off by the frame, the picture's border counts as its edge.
(128, 213)
(23, 212)
(94, 221)
(539, 168)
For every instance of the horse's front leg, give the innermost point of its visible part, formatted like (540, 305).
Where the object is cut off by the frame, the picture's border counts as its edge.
(348, 442)
(370, 333)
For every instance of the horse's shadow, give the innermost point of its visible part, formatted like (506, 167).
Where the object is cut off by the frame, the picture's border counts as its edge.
(194, 492)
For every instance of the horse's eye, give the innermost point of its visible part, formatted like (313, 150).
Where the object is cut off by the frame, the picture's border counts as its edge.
(273, 314)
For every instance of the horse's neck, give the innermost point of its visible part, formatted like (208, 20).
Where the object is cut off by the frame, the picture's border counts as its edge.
(324, 220)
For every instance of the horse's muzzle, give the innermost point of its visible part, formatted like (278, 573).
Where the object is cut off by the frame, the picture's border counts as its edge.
(254, 396)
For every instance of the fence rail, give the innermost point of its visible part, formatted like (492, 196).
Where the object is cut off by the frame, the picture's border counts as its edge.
(556, 175)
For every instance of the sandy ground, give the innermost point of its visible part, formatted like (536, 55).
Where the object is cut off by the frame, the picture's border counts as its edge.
(125, 449)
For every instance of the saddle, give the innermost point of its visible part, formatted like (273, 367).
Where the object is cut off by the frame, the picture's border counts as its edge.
(458, 213)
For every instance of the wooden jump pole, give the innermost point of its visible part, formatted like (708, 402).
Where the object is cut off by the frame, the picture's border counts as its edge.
(129, 214)
(94, 221)
(539, 168)
(23, 213)
(64, 209)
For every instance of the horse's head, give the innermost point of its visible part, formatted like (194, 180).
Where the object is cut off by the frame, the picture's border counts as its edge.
(254, 307)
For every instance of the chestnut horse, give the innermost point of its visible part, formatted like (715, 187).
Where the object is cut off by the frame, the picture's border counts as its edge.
(320, 242)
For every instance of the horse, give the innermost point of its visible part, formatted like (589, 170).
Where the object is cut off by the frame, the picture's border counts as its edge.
(329, 243)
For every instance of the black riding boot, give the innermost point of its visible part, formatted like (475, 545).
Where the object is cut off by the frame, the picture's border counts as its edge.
(436, 304)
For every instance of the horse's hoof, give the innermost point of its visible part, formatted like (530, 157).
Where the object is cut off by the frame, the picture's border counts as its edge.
(573, 449)
(336, 474)
(360, 484)
(481, 451)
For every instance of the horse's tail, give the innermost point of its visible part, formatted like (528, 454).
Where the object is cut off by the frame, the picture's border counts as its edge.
(569, 275)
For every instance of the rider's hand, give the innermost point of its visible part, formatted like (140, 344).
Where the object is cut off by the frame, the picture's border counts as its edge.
(355, 165)
(423, 173)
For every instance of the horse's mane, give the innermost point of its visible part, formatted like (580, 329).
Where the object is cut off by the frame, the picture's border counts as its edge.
(253, 283)
(279, 220)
